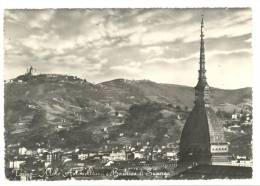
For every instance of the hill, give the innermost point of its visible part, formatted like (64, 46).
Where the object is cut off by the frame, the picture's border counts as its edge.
(174, 94)
(66, 111)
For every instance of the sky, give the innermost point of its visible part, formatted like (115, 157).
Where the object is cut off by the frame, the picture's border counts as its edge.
(160, 45)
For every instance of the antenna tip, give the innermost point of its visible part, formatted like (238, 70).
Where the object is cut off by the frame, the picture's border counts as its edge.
(202, 17)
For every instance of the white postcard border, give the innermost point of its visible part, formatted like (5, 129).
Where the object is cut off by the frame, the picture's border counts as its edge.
(255, 5)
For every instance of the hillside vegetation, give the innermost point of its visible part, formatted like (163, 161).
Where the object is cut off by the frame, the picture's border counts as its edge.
(67, 111)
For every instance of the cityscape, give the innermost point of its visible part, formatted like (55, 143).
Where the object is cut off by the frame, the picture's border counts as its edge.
(63, 127)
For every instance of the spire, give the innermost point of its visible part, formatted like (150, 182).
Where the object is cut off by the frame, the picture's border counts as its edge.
(202, 70)
(202, 89)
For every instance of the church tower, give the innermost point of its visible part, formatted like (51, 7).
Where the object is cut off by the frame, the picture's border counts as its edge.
(202, 139)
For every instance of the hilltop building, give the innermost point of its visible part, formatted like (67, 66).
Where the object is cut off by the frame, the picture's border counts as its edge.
(202, 139)
(27, 76)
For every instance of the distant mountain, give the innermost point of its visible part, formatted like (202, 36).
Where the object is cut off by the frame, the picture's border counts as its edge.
(68, 111)
(174, 94)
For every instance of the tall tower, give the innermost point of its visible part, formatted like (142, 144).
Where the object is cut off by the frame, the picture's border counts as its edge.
(202, 138)
(202, 89)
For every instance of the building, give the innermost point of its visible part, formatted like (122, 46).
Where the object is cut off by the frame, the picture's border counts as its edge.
(234, 116)
(242, 161)
(83, 156)
(22, 150)
(119, 156)
(138, 155)
(53, 159)
(202, 139)
(15, 164)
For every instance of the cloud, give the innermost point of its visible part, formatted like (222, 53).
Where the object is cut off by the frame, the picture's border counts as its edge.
(154, 50)
(161, 60)
(131, 67)
(101, 44)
